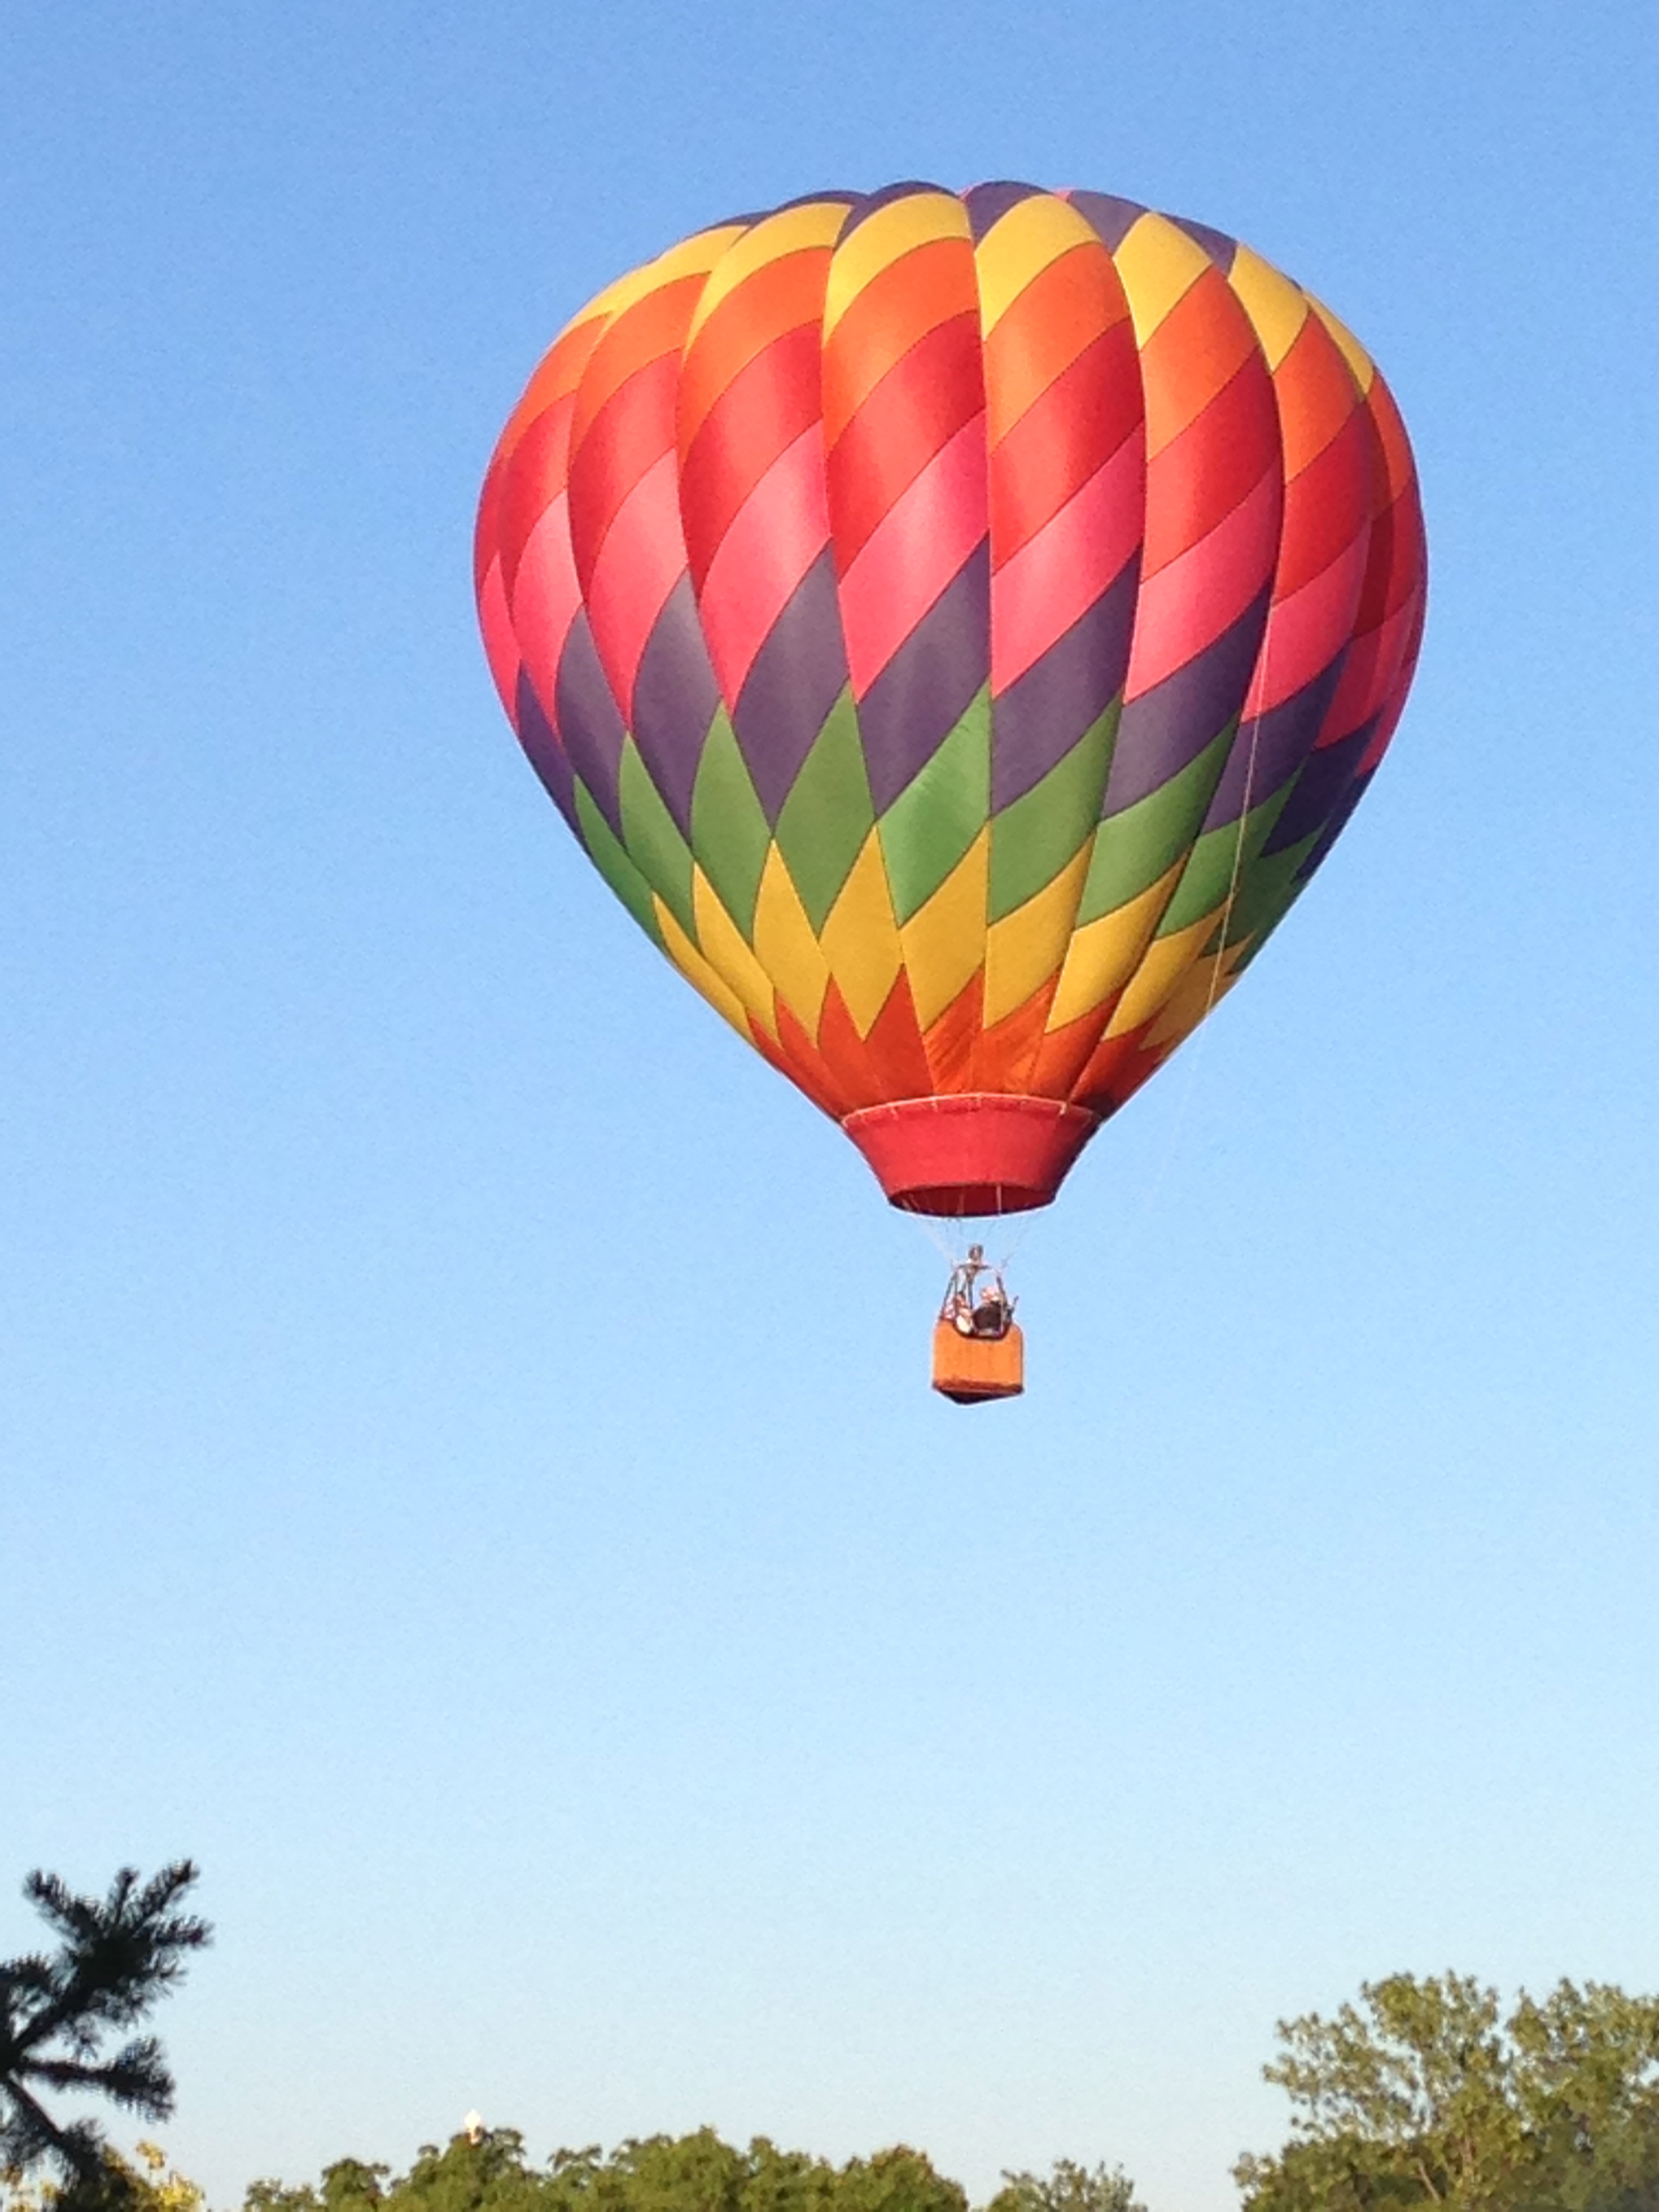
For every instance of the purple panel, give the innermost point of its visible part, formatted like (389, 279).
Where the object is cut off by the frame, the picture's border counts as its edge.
(675, 696)
(818, 199)
(1334, 828)
(1168, 727)
(1221, 249)
(589, 722)
(544, 752)
(793, 680)
(1111, 219)
(1280, 741)
(926, 687)
(1320, 790)
(1037, 720)
(989, 204)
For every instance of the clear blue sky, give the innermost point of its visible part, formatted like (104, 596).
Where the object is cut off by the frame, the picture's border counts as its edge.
(617, 1720)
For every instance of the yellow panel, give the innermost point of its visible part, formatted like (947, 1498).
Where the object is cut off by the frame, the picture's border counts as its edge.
(1103, 954)
(1167, 959)
(723, 947)
(944, 940)
(1277, 308)
(893, 230)
(786, 946)
(1159, 264)
(1195, 995)
(1023, 950)
(697, 971)
(819, 224)
(1364, 368)
(691, 257)
(1020, 247)
(861, 940)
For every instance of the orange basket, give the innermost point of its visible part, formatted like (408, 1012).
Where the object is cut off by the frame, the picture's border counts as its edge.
(970, 1369)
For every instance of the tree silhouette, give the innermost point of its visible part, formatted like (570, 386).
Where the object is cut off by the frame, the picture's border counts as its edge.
(116, 1957)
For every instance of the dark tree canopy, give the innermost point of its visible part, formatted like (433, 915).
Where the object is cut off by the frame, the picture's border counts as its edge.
(1426, 2094)
(62, 2010)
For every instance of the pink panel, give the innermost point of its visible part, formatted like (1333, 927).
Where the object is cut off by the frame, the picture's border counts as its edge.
(501, 646)
(776, 536)
(641, 560)
(545, 598)
(1368, 672)
(1306, 631)
(1194, 598)
(918, 546)
(1057, 576)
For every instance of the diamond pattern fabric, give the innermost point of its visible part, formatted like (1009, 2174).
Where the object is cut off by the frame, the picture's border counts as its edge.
(957, 626)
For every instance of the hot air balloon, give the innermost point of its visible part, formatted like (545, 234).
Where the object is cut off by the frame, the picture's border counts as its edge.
(957, 626)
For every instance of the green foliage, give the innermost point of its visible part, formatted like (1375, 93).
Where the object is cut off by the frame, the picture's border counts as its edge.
(488, 2172)
(119, 2184)
(116, 1956)
(1424, 2094)
(1067, 2188)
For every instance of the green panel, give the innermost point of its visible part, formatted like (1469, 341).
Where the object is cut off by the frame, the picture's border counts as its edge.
(653, 843)
(614, 864)
(1268, 893)
(729, 832)
(1133, 849)
(829, 812)
(1032, 840)
(1209, 871)
(929, 827)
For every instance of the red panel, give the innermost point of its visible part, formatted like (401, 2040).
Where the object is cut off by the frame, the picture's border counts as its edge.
(773, 398)
(892, 314)
(1062, 439)
(912, 415)
(1062, 312)
(894, 1045)
(787, 294)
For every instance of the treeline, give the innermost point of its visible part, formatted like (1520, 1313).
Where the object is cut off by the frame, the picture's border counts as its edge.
(1428, 2091)
(487, 2170)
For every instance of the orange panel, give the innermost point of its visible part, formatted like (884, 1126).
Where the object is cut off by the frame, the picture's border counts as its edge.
(951, 1039)
(1003, 1056)
(1064, 1053)
(795, 1055)
(843, 1053)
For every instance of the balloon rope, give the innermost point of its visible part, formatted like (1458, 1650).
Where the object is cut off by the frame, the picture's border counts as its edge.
(1025, 1229)
(936, 1237)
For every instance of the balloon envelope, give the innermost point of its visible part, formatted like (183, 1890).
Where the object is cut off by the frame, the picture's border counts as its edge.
(956, 626)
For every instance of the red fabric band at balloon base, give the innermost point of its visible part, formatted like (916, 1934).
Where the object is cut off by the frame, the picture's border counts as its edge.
(971, 1153)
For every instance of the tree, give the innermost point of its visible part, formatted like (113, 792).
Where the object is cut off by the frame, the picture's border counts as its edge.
(1426, 2094)
(116, 1956)
(1067, 2187)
